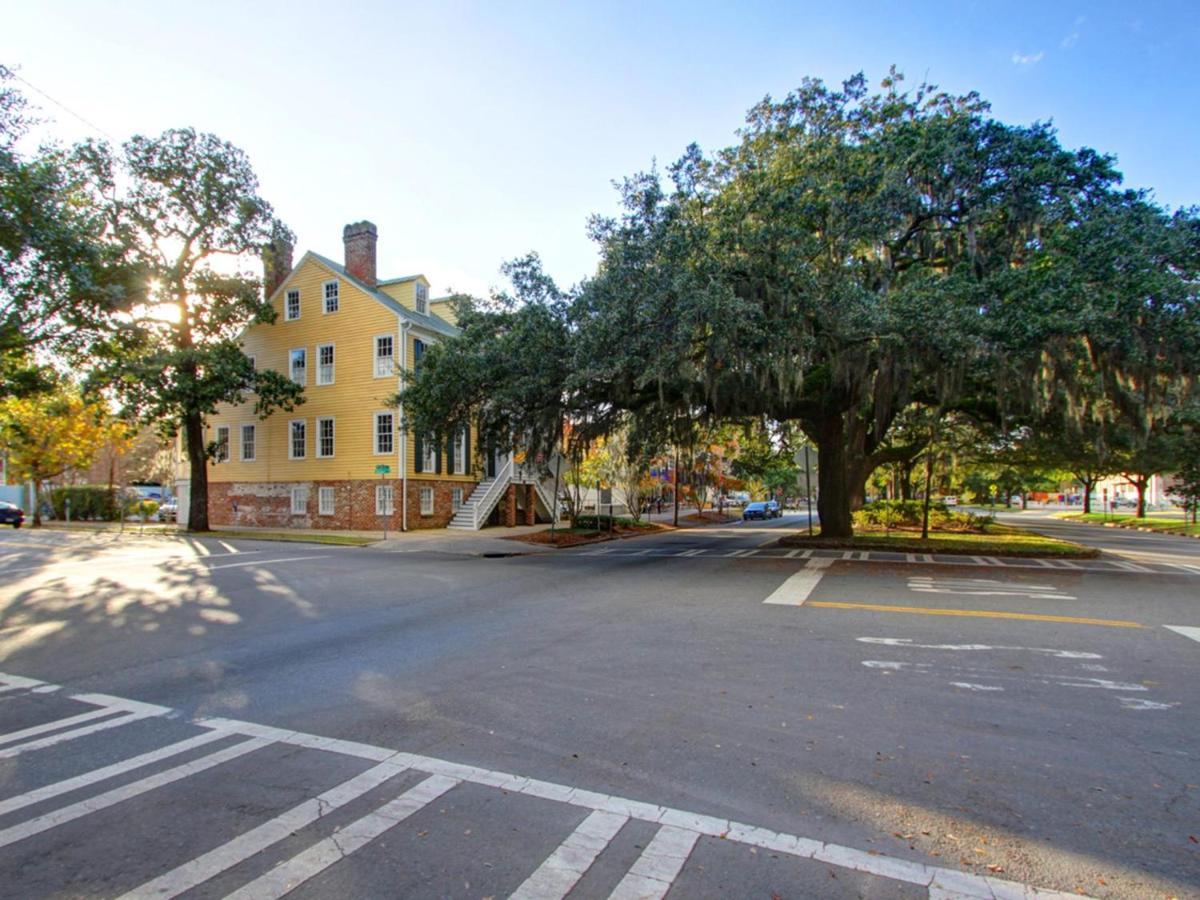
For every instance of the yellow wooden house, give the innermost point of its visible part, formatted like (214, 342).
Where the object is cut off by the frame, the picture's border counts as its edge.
(342, 459)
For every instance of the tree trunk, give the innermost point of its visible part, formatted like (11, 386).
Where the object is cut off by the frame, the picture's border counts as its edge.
(833, 498)
(857, 474)
(37, 504)
(1140, 485)
(193, 424)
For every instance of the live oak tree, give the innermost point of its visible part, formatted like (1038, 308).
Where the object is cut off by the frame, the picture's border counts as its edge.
(844, 260)
(191, 217)
(63, 267)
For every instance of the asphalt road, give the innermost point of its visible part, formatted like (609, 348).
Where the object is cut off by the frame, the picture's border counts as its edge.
(349, 722)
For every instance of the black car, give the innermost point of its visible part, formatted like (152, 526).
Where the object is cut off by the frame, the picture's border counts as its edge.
(10, 514)
(756, 510)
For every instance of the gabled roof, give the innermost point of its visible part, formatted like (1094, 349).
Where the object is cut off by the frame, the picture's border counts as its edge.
(402, 279)
(429, 322)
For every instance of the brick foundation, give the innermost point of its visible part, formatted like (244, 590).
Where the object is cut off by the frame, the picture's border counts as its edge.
(269, 504)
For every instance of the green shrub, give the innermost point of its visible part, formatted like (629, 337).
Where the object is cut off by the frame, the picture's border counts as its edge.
(907, 514)
(601, 522)
(88, 501)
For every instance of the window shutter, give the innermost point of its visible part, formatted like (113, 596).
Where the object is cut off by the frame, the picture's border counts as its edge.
(450, 454)
(420, 460)
(437, 460)
(467, 450)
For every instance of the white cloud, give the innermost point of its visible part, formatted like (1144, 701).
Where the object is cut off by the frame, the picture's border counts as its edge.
(1073, 38)
(1027, 60)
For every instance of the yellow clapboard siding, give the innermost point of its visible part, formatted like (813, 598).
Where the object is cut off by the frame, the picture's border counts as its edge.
(351, 401)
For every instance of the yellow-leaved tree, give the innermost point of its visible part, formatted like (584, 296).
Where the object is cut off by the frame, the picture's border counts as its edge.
(47, 434)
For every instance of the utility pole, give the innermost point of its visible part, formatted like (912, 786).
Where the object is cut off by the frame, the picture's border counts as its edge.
(808, 489)
(675, 493)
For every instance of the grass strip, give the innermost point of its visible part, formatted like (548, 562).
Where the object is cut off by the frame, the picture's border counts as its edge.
(995, 540)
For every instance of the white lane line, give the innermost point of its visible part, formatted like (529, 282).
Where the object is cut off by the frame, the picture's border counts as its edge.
(286, 877)
(799, 587)
(57, 725)
(265, 562)
(228, 547)
(127, 765)
(126, 791)
(659, 865)
(17, 683)
(695, 552)
(563, 868)
(791, 554)
(1188, 631)
(1130, 567)
(64, 736)
(744, 553)
(231, 853)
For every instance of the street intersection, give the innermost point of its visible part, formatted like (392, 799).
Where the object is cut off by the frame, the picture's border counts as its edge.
(235, 717)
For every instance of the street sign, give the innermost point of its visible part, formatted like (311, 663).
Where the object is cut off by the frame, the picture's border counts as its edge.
(382, 469)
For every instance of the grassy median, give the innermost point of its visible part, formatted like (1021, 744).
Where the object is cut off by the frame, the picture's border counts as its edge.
(993, 540)
(1121, 520)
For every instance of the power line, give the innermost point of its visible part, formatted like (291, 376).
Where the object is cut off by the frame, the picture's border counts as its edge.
(5, 71)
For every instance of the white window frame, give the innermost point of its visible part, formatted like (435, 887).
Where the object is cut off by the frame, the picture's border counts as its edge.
(326, 500)
(253, 443)
(292, 365)
(429, 463)
(460, 452)
(385, 499)
(326, 296)
(390, 369)
(303, 423)
(427, 507)
(456, 499)
(321, 379)
(321, 454)
(291, 294)
(299, 501)
(391, 432)
(421, 298)
(222, 442)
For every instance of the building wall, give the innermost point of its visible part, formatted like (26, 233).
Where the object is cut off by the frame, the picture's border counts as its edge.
(269, 504)
(262, 487)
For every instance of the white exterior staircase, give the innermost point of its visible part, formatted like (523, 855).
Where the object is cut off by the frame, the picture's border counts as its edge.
(476, 509)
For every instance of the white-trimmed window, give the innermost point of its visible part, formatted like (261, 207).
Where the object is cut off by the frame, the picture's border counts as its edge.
(291, 305)
(331, 296)
(299, 501)
(427, 501)
(418, 355)
(325, 437)
(297, 438)
(325, 498)
(460, 453)
(324, 363)
(249, 442)
(429, 454)
(298, 365)
(222, 444)
(422, 298)
(385, 433)
(385, 499)
(385, 355)
(456, 499)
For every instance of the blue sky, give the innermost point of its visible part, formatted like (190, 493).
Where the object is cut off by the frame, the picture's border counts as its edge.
(471, 133)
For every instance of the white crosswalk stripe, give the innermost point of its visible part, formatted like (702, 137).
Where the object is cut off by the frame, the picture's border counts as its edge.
(653, 874)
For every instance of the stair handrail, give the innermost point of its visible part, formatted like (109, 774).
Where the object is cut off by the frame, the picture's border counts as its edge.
(491, 494)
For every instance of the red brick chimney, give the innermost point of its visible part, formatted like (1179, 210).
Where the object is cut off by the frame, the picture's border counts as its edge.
(360, 238)
(277, 264)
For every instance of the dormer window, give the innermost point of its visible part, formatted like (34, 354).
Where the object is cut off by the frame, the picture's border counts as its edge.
(331, 296)
(422, 298)
(291, 308)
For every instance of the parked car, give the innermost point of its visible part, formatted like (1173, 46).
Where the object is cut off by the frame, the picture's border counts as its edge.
(11, 514)
(950, 501)
(756, 510)
(773, 510)
(169, 511)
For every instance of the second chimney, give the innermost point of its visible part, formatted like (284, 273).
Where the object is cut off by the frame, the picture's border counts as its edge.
(360, 238)
(277, 264)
